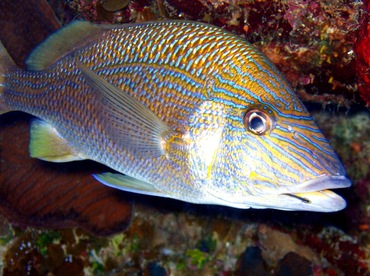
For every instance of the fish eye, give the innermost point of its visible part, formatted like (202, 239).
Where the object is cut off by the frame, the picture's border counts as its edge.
(258, 121)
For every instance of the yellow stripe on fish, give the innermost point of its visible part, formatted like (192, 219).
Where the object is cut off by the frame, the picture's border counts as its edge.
(179, 109)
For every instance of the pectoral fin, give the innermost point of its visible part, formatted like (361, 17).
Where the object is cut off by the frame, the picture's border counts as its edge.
(129, 122)
(47, 144)
(127, 183)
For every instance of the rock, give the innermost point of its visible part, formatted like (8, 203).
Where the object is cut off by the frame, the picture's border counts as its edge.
(251, 263)
(293, 264)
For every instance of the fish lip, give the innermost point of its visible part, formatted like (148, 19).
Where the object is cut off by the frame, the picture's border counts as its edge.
(314, 194)
(321, 201)
(323, 182)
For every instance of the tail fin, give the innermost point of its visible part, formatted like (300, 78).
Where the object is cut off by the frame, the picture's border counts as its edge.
(6, 64)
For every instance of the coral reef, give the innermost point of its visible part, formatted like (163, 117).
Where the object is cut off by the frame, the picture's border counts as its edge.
(363, 58)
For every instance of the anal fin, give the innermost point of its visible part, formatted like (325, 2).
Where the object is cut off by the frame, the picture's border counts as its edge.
(47, 144)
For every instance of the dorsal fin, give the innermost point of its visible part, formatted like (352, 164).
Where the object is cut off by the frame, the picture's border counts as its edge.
(61, 43)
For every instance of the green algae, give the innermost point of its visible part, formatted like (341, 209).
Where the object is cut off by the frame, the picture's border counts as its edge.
(45, 239)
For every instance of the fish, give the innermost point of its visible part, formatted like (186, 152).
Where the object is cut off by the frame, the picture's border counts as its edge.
(178, 109)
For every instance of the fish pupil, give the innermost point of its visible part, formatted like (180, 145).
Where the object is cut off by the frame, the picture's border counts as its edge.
(257, 124)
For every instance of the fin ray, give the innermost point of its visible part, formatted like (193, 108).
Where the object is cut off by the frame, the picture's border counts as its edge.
(129, 122)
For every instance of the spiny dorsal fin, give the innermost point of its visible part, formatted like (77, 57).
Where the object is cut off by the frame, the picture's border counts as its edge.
(61, 43)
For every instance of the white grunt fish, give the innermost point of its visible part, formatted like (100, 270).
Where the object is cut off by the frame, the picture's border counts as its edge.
(179, 109)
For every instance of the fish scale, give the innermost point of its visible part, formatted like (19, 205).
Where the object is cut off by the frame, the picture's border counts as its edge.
(172, 106)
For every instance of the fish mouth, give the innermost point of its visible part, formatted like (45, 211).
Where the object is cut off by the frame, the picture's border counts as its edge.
(313, 195)
(320, 183)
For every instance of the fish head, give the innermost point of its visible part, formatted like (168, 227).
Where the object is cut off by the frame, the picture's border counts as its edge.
(256, 145)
